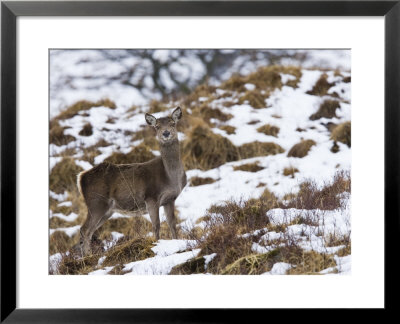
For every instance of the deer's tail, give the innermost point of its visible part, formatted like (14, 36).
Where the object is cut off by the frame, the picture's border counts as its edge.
(79, 179)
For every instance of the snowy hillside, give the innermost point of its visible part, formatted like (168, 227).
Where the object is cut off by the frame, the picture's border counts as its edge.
(267, 154)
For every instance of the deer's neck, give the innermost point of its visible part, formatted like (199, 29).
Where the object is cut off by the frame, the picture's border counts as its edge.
(171, 157)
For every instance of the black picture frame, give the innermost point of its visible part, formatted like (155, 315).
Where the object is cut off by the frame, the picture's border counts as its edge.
(10, 10)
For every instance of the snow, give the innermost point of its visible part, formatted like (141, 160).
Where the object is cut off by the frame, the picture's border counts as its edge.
(279, 268)
(70, 231)
(288, 108)
(70, 218)
(159, 265)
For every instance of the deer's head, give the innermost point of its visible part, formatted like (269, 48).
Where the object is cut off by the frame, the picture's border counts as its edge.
(165, 126)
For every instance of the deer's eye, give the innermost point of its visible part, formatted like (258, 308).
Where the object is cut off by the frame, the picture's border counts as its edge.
(157, 126)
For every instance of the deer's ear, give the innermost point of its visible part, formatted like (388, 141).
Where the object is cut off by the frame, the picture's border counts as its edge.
(150, 119)
(176, 114)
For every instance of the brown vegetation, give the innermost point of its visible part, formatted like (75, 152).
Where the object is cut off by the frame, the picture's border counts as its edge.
(269, 130)
(342, 133)
(301, 149)
(326, 110)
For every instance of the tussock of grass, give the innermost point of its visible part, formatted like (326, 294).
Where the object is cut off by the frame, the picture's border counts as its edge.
(192, 266)
(61, 242)
(63, 175)
(129, 251)
(57, 136)
(301, 149)
(326, 110)
(228, 129)
(269, 130)
(199, 181)
(342, 133)
(207, 113)
(87, 130)
(252, 264)
(249, 167)
(89, 153)
(202, 91)
(321, 87)
(265, 78)
(205, 150)
(56, 222)
(256, 148)
(156, 106)
(148, 135)
(310, 262)
(255, 99)
(134, 227)
(72, 265)
(138, 154)
(290, 171)
(84, 105)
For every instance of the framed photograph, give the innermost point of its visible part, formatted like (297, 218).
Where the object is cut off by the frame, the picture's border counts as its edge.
(163, 158)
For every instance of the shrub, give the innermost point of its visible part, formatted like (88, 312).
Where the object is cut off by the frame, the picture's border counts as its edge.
(301, 149)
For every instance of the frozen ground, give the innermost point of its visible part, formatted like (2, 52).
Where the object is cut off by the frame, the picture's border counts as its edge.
(289, 108)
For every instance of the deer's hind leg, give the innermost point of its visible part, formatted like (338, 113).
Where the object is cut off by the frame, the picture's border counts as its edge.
(171, 220)
(98, 212)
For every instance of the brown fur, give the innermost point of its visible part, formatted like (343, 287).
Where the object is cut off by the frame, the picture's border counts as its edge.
(133, 187)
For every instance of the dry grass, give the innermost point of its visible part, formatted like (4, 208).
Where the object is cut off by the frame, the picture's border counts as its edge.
(138, 154)
(148, 135)
(87, 130)
(254, 98)
(199, 181)
(192, 266)
(60, 242)
(321, 87)
(326, 110)
(301, 149)
(265, 78)
(228, 129)
(63, 175)
(256, 148)
(204, 150)
(57, 136)
(311, 196)
(249, 167)
(127, 250)
(342, 133)
(82, 106)
(290, 171)
(269, 130)
(156, 106)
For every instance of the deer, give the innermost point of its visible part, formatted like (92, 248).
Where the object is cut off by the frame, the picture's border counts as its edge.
(130, 188)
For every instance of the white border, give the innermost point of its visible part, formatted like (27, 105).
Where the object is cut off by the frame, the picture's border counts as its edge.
(364, 288)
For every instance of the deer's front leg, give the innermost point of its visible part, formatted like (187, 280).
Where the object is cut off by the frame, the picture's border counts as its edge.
(169, 214)
(153, 209)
